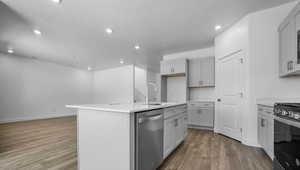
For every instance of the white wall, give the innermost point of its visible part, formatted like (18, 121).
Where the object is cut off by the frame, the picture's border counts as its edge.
(176, 89)
(265, 54)
(196, 93)
(32, 89)
(140, 80)
(153, 90)
(204, 52)
(114, 85)
(256, 34)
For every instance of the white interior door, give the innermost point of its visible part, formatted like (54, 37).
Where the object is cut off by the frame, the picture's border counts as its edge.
(231, 95)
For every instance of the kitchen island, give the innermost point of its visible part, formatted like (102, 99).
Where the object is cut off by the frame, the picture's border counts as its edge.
(108, 137)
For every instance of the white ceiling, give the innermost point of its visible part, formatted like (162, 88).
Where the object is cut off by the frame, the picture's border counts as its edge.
(73, 31)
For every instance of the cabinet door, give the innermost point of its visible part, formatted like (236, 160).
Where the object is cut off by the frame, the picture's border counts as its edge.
(167, 67)
(181, 129)
(171, 69)
(194, 72)
(265, 126)
(163, 69)
(297, 31)
(201, 117)
(178, 130)
(211, 71)
(270, 137)
(287, 47)
(185, 125)
(193, 116)
(173, 66)
(207, 71)
(204, 72)
(179, 66)
(259, 131)
(169, 136)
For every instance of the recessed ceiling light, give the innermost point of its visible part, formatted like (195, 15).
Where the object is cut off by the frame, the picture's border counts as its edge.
(37, 32)
(109, 31)
(57, 1)
(137, 47)
(89, 68)
(121, 61)
(218, 27)
(10, 51)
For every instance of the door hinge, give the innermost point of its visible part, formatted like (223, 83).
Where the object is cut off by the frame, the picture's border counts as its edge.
(241, 60)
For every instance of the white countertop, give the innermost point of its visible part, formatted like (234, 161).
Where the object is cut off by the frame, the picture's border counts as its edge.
(125, 108)
(271, 101)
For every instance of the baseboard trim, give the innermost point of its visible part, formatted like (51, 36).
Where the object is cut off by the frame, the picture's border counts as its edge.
(39, 117)
(200, 127)
(250, 143)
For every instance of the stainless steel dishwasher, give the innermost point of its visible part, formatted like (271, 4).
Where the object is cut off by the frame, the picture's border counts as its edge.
(149, 139)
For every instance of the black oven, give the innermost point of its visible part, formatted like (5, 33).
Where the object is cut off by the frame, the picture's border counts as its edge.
(286, 137)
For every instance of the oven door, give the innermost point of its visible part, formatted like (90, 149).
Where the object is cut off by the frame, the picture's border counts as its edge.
(286, 144)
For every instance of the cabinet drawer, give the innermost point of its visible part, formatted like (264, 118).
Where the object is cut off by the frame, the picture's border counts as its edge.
(265, 110)
(180, 109)
(201, 104)
(174, 111)
(201, 117)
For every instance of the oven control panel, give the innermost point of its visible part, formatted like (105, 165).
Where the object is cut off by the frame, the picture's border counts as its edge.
(287, 110)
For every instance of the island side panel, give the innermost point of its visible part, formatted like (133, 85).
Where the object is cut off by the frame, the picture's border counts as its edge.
(105, 140)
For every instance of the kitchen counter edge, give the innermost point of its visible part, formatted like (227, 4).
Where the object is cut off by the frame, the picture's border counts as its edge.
(123, 108)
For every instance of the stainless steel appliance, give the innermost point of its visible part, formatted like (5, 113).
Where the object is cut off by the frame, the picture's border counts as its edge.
(287, 136)
(149, 139)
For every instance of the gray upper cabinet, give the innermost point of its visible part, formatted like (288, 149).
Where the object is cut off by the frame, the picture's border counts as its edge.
(289, 47)
(173, 67)
(202, 72)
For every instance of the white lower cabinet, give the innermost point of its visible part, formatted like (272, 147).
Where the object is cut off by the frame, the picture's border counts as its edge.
(169, 136)
(265, 129)
(201, 114)
(180, 129)
(175, 128)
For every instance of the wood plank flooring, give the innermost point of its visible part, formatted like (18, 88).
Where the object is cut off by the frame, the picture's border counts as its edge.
(205, 150)
(39, 145)
(51, 145)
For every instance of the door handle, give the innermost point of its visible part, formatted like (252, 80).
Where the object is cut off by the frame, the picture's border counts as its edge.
(219, 100)
(142, 120)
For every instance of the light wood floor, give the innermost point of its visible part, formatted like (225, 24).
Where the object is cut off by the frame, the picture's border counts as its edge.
(205, 150)
(51, 145)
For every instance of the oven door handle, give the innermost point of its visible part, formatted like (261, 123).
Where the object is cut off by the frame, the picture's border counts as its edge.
(288, 122)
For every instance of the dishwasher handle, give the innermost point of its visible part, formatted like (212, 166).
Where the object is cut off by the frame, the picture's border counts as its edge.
(150, 118)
